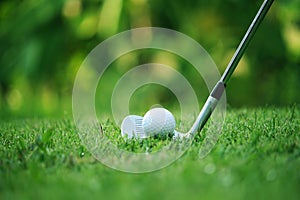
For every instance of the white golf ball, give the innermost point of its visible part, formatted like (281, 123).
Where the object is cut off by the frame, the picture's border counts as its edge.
(158, 121)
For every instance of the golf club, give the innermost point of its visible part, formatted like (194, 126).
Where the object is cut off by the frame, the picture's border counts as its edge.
(132, 125)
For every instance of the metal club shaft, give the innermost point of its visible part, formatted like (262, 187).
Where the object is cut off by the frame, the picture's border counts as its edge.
(245, 41)
(218, 90)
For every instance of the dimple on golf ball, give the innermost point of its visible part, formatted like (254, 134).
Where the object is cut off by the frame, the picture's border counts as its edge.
(158, 121)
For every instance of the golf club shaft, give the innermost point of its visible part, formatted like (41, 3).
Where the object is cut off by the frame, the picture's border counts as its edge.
(245, 41)
(218, 90)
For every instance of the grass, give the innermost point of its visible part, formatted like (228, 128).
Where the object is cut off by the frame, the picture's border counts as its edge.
(257, 157)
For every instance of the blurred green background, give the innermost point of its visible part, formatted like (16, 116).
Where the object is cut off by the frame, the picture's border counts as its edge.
(44, 42)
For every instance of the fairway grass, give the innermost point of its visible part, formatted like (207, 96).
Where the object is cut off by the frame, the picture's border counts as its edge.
(257, 157)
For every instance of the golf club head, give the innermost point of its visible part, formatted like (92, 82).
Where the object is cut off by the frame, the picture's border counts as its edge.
(180, 136)
(132, 127)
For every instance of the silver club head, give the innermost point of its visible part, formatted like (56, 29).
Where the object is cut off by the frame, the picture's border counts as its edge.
(180, 136)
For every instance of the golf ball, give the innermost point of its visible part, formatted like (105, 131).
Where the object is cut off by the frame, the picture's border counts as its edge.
(158, 121)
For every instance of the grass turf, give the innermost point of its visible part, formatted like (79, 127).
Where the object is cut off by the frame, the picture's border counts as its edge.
(257, 157)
